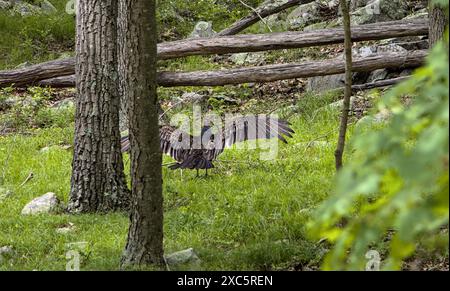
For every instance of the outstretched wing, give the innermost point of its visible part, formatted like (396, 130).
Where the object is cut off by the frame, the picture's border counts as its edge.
(255, 127)
(173, 142)
(178, 144)
(245, 128)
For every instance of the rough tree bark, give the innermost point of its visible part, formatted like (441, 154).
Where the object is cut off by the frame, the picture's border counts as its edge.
(348, 84)
(437, 24)
(138, 69)
(98, 181)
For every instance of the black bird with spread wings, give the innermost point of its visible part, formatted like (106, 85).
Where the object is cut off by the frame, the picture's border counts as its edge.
(198, 152)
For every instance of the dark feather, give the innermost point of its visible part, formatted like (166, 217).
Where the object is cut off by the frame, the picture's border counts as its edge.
(179, 144)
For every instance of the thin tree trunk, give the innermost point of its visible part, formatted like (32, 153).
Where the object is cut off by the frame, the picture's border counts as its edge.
(138, 70)
(348, 85)
(437, 24)
(98, 181)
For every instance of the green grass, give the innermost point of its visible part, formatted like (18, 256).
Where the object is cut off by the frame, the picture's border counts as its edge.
(248, 215)
(35, 38)
(40, 38)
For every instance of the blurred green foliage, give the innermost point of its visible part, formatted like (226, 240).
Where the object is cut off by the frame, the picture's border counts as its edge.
(396, 186)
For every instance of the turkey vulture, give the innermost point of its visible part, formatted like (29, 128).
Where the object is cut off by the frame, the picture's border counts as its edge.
(198, 152)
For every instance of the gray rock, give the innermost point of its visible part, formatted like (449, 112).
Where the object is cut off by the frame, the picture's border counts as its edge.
(68, 103)
(271, 4)
(185, 257)
(5, 4)
(340, 103)
(29, 101)
(247, 58)
(303, 15)
(47, 203)
(409, 43)
(191, 97)
(70, 227)
(380, 10)
(365, 51)
(202, 29)
(378, 75)
(325, 83)
(8, 103)
(6, 253)
(64, 230)
(25, 9)
(371, 11)
(390, 48)
(311, 13)
(47, 7)
(276, 22)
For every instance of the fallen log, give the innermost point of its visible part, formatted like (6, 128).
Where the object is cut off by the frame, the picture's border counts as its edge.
(256, 16)
(274, 72)
(69, 81)
(58, 82)
(229, 44)
(379, 84)
(288, 40)
(32, 74)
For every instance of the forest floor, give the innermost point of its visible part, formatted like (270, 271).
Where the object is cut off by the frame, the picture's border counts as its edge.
(248, 214)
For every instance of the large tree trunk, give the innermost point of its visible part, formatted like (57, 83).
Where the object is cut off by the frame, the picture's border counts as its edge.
(98, 181)
(138, 66)
(438, 22)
